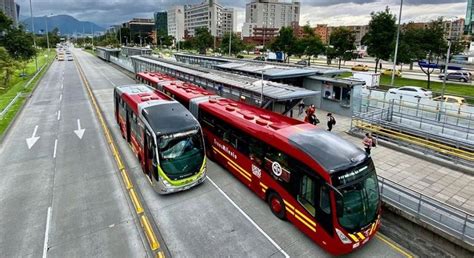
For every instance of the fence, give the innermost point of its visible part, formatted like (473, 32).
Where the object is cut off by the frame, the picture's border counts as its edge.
(442, 216)
(125, 63)
(448, 119)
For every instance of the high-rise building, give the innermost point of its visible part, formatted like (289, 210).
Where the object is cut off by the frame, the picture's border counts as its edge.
(454, 29)
(10, 9)
(141, 30)
(269, 14)
(175, 16)
(161, 23)
(469, 18)
(209, 14)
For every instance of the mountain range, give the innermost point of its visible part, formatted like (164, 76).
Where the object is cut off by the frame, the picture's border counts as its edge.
(66, 24)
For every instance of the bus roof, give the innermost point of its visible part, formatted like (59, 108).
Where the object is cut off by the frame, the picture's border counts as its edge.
(155, 77)
(328, 150)
(134, 95)
(245, 115)
(185, 89)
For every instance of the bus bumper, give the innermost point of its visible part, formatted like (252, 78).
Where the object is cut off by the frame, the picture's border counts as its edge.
(165, 188)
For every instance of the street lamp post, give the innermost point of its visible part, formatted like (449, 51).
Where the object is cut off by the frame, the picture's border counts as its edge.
(230, 43)
(444, 79)
(34, 34)
(47, 33)
(396, 44)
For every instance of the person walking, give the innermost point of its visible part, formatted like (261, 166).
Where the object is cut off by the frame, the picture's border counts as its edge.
(301, 107)
(367, 142)
(331, 121)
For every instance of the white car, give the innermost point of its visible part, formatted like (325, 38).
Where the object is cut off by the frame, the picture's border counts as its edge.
(411, 91)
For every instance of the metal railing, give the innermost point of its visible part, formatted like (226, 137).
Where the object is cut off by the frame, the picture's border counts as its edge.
(451, 220)
(458, 152)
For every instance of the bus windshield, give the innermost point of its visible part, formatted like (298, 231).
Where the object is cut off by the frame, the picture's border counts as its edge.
(360, 198)
(181, 155)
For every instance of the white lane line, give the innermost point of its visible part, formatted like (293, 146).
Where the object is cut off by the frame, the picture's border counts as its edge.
(59, 115)
(62, 86)
(55, 147)
(249, 219)
(60, 97)
(46, 233)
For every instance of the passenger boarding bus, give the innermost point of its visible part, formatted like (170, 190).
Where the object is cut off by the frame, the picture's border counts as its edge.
(326, 186)
(164, 136)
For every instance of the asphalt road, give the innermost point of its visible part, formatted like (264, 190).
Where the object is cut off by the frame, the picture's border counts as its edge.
(221, 217)
(62, 197)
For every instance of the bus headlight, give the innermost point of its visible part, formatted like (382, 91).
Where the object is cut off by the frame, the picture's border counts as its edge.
(343, 237)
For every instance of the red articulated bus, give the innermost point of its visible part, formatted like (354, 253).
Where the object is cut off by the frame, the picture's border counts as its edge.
(327, 187)
(172, 154)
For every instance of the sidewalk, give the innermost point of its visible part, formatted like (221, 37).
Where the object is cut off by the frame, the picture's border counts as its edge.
(441, 183)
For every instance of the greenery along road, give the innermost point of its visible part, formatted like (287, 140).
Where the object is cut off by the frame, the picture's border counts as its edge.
(17, 85)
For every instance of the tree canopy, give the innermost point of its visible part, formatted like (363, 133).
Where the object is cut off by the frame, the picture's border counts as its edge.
(236, 44)
(381, 36)
(202, 39)
(285, 41)
(309, 44)
(342, 43)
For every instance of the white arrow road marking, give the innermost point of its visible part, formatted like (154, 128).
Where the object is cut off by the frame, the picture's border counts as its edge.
(31, 141)
(79, 132)
(59, 114)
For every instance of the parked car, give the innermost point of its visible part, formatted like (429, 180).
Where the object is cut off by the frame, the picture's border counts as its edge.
(451, 99)
(457, 76)
(302, 62)
(360, 67)
(70, 58)
(388, 72)
(411, 91)
(259, 58)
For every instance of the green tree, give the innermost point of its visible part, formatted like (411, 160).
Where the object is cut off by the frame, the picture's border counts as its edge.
(236, 44)
(381, 35)
(19, 43)
(285, 41)
(431, 46)
(309, 44)
(202, 40)
(8, 66)
(342, 44)
(5, 23)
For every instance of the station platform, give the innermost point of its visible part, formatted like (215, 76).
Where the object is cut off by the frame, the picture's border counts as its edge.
(421, 175)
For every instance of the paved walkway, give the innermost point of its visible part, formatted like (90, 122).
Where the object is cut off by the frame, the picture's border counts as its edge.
(435, 181)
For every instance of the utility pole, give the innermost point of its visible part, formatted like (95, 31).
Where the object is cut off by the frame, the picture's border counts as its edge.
(396, 44)
(34, 34)
(230, 43)
(92, 30)
(120, 35)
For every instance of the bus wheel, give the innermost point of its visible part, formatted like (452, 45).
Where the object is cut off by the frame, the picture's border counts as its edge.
(276, 205)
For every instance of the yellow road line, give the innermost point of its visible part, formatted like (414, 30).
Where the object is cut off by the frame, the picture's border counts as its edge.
(145, 223)
(393, 245)
(150, 235)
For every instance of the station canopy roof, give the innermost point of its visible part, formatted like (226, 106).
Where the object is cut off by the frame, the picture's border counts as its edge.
(271, 90)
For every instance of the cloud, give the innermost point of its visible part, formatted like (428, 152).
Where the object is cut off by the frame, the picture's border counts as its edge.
(334, 12)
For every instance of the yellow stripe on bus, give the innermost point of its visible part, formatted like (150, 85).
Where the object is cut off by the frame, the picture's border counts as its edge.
(307, 219)
(288, 204)
(231, 161)
(290, 211)
(244, 175)
(362, 237)
(264, 186)
(353, 237)
(304, 222)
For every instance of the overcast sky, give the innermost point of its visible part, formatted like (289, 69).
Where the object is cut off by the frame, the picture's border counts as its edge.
(332, 12)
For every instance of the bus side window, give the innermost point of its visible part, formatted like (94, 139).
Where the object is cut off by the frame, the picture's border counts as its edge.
(306, 195)
(324, 202)
(256, 150)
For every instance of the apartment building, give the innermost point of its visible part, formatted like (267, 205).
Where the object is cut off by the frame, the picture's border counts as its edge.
(272, 14)
(211, 15)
